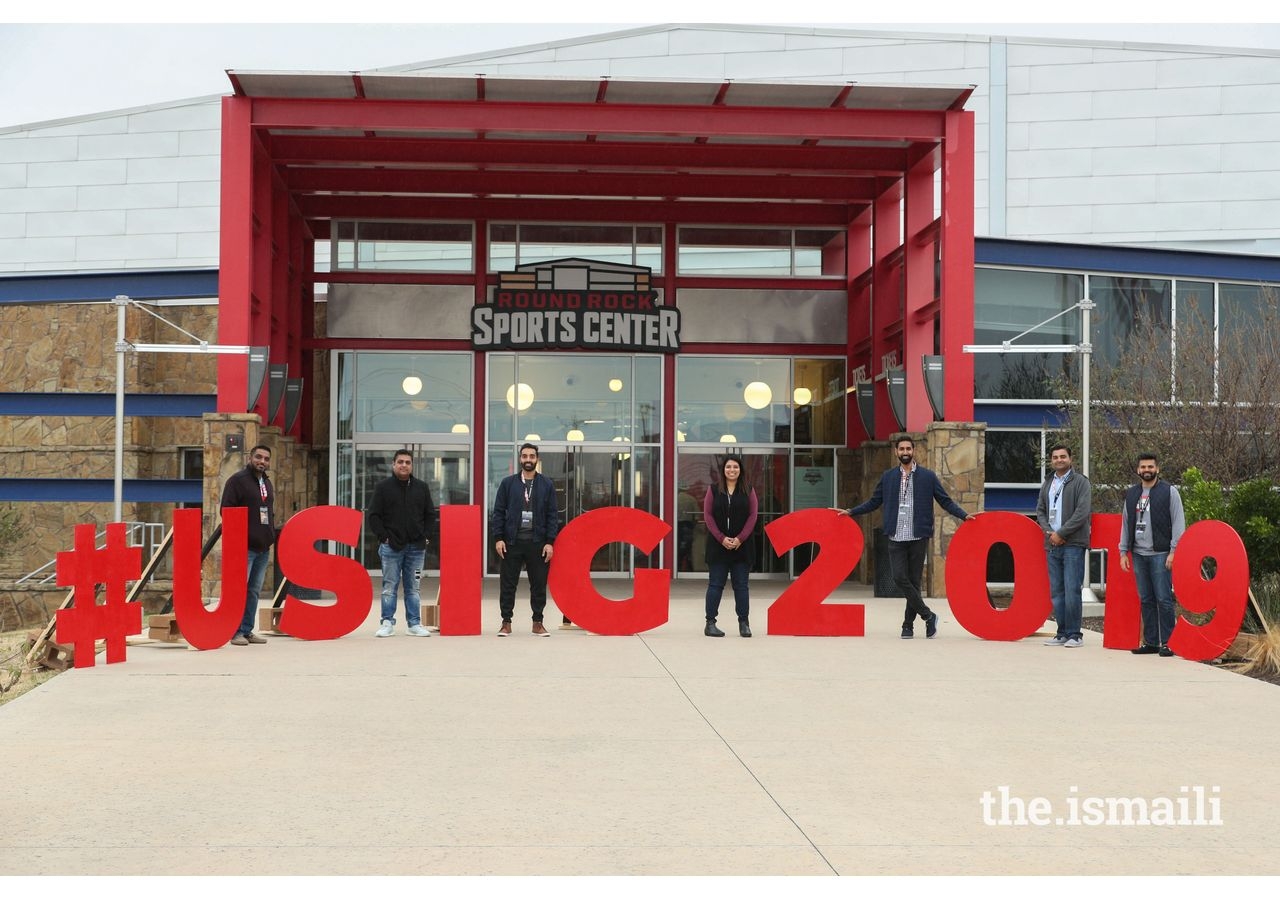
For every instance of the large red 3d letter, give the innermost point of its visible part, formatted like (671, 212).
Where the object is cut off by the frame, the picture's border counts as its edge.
(966, 577)
(1224, 595)
(1122, 626)
(461, 539)
(570, 575)
(208, 629)
(305, 566)
(799, 609)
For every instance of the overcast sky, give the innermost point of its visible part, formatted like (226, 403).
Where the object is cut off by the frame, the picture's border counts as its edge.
(54, 71)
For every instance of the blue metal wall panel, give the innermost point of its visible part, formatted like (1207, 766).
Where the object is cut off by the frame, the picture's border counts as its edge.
(68, 404)
(100, 490)
(1019, 500)
(1038, 415)
(1126, 260)
(100, 286)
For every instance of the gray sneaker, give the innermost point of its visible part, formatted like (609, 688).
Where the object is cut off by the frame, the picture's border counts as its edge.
(387, 629)
(240, 640)
(1074, 642)
(1058, 641)
(419, 631)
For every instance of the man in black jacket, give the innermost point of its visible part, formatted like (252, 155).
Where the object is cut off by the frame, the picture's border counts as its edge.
(402, 518)
(523, 526)
(251, 488)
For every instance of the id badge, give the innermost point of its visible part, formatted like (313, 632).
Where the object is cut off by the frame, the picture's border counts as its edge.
(526, 517)
(264, 516)
(1140, 527)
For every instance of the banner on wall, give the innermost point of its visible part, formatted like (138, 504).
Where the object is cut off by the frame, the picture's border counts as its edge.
(575, 303)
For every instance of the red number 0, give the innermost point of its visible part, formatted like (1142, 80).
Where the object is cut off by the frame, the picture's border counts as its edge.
(799, 610)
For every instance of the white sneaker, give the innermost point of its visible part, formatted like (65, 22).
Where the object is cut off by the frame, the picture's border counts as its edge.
(419, 631)
(1074, 642)
(388, 628)
(1055, 641)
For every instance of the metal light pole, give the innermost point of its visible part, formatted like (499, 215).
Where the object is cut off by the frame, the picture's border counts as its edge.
(121, 303)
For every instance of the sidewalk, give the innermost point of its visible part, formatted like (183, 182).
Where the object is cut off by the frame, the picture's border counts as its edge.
(665, 753)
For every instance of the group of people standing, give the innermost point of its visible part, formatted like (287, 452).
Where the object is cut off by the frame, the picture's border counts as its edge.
(525, 521)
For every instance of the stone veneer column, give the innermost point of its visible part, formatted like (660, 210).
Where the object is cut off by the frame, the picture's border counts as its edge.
(957, 452)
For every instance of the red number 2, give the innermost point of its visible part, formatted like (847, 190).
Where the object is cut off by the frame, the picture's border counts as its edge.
(799, 610)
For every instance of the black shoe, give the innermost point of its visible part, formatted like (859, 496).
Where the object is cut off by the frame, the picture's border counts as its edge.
(931, 625)
(908, 632)
(711, 630)
(1144, 650)
(1165, 651)
(744, 628)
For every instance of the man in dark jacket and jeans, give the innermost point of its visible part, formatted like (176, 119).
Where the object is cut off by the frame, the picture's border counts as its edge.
(907, 492)
(523, 526)
(251, 488)
(402, 518)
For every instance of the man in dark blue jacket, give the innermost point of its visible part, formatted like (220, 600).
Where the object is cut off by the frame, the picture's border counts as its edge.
(906, 491)
(523, 526)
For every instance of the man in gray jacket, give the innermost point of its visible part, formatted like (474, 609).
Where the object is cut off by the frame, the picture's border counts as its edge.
(1063, 512)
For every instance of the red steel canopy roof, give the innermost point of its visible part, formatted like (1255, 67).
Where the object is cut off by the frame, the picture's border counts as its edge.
(353, 145)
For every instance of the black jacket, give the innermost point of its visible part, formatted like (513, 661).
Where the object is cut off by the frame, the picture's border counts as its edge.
(402, 513)
(242, 489)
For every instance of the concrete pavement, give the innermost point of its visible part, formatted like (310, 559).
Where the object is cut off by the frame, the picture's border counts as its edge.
(663, 753)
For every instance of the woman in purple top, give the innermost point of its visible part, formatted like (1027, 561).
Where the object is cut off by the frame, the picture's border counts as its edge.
(729, 511)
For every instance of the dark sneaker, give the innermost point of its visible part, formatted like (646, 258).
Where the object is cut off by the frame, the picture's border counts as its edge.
(1165, 651)
(505, 630)
(908, 632)
(1144, 650)
(744, 628)
(711, 630)
(540, 630)
(931, 625)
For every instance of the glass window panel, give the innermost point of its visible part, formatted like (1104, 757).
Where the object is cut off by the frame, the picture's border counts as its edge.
(413, 392)
(1131, 321)
(734, 251)
(1013, 457)
(1008, 302)
(414, 246)
(1194, 352)
(648, 399)
(646, 491)
(574, 393)
(819, 401)
(813, 487)
(819, 252)
(712, 399)
(502, 415)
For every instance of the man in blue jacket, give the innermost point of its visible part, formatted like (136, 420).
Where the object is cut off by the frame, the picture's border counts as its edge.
(523, 526)
(907, 492)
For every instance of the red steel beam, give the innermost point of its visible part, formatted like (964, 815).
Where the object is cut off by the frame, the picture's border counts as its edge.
(624, 156)
(417, 181)
(590, 118)
(639, 211)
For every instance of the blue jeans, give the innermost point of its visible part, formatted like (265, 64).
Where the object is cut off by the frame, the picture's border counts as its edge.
(1066, 578)
(401, 566)
(717, 574)
(258, 560)
(1155, 589)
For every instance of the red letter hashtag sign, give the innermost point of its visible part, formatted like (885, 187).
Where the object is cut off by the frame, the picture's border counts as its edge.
(84, 568)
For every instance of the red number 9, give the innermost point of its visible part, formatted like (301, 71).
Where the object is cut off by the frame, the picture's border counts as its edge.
(1224, 595)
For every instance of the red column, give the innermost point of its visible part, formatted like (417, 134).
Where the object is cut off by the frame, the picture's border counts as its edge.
(858, 240)
(886, 301)
(957, 264)
(236, 251)
(917, 271)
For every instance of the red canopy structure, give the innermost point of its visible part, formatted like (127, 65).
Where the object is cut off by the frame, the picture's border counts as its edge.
(890, 165)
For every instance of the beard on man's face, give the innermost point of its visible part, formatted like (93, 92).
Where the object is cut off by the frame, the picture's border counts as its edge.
(904, 458)
(528, 466)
